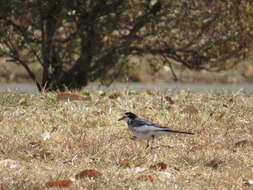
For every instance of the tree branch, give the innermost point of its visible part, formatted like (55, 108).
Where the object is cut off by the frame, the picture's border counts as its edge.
(27, 68)
(17, 58)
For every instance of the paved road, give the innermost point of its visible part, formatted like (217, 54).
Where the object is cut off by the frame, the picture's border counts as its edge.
(31, 88)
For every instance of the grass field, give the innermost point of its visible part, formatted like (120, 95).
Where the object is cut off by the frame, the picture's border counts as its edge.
(49, 142)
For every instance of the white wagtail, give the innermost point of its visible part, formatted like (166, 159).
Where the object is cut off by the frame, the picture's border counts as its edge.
(142, 128)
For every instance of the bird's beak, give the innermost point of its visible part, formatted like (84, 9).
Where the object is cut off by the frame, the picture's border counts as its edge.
(123, 117)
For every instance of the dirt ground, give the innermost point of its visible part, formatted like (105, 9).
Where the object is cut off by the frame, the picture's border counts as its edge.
(75, 141)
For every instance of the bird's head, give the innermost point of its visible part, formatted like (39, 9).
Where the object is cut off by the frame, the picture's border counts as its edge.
(128, 116)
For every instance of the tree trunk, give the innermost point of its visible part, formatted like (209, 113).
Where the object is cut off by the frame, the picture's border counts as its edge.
(76, 77)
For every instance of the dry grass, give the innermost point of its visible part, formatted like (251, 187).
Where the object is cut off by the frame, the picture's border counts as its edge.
(86, 135)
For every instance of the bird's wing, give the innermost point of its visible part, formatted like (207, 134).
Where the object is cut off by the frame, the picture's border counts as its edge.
(143, 125)
(140, 122)
(149, 128)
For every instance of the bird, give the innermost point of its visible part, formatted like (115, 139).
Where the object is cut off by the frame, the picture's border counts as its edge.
(145, 129)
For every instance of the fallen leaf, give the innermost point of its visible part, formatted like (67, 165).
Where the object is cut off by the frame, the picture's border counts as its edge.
(88, 173)
(159, 166)
(60, 183)
(169, 99)
(35, 143)
(146, 178)
(151, 107)
(133, 138)
(114, 95)
(243, 143)
(218, 115)
(213, 163)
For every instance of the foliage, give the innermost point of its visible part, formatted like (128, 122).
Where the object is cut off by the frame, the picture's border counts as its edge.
(80, 41)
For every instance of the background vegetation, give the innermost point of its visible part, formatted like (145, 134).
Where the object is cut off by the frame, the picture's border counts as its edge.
(76, 42)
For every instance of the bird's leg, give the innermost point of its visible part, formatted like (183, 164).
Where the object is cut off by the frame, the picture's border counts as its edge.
(147, 145)
(153, 140)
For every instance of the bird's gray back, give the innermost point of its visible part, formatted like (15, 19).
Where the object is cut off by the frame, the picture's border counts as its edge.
(139, 122)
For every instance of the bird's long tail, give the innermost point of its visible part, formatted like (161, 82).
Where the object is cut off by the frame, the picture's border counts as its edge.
(182, 132)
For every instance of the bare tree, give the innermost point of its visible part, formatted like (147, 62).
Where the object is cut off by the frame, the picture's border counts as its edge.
(79, 41)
